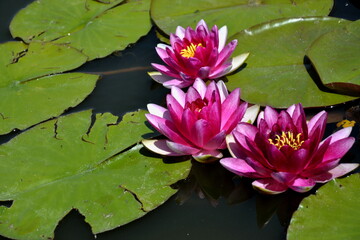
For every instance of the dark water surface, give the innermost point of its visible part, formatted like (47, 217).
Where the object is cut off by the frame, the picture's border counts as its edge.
(211, 204)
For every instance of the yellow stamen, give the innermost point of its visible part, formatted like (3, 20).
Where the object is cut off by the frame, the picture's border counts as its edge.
(346, 123)
(189, 51)
(287, 138)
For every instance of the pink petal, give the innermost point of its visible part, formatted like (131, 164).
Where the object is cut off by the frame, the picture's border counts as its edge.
(276, 158)
(192, 95)
(181, 148)
(223, 31)
(343, 133)
(291, 109)
(162, 53)
(298, 161)
(216, 141)
(180, 32)
(269, 186)
(338, 149)
(235, 118)
(201, 133)
(157, 110)
(222, 90)
(336, 172)
(200, 86)
(155, 121)
(220, 71)
(247, 129)
(179, 95)
(319, 120)
(159, 147)
(171, 132)
(302, 185)
(175, 109)
(176, 83)
(229, 106)
(226, 52)
(270, 116)
(239, 167)
(166, 70)
(283, 177)
(203, 72)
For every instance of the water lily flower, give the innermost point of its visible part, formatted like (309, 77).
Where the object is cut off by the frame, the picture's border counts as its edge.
(196, 53)
(284, 151)
(197, 122)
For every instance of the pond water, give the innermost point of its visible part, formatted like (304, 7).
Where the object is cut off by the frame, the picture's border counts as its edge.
(211, 203)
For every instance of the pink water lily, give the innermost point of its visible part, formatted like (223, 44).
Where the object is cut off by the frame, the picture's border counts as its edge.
(197, 122)
(284, 151)
(196, 53)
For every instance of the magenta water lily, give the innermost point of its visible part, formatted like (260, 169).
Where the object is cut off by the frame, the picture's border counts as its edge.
(197, 122)
(284, 151)
(196, 53)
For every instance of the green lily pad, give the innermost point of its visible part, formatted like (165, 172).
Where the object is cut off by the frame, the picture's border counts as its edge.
(275, 73)
(94, 27)
(235, 14)
(79, 164)
(332, 214)
(335, 56)
(30, 91)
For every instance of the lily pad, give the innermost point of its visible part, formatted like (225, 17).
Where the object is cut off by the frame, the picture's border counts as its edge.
(332, 214)
(94, 27)
(335, 56)
(29, 90)
(79, 164)
(275, 73)
(235, 14)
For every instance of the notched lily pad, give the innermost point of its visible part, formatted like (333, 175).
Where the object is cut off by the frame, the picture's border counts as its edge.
(30, 91)
(335, 56)
(89, 166)
(236, 14)
(332, 214)
(94, 27)
(275, 72)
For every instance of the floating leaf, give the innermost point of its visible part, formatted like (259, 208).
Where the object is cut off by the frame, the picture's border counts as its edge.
(335, 56)
(332, 214)
(235, 14)
(28, 95)
(275, 73)
(79, 164)
(95, 28)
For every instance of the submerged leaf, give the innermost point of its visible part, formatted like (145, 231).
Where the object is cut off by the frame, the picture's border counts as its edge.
(79, 164)
(94, 27)
(335, 56)
(235, 14)
(276, 71)
(29, 96)
(332, 214)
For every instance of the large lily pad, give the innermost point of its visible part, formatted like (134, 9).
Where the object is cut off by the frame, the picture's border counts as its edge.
(335, 56)
(275, 73)
(94, 27)
(79, 164)
(236, 14)
(332, 214)
(29, 90)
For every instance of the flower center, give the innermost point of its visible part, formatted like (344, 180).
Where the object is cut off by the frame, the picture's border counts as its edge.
(287, 139)
(189, 51)
(197, 105)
